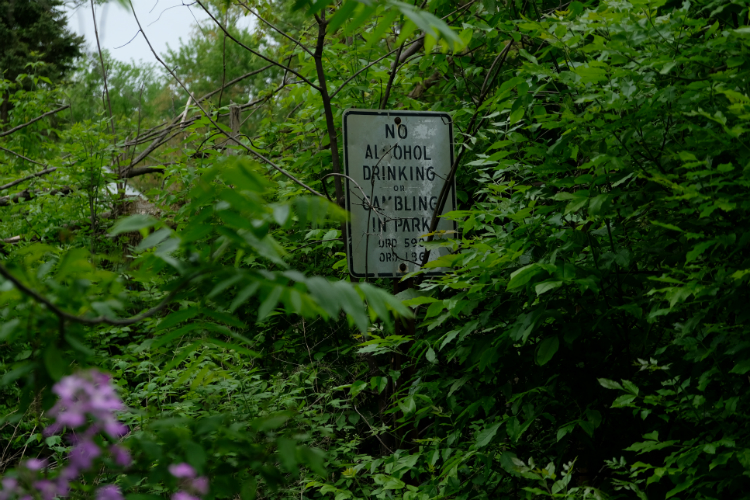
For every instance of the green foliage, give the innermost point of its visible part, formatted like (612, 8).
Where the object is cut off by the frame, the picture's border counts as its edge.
(594, 312)
(36, 32)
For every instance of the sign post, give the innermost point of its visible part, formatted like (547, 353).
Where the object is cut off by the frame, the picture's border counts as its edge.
(396, 163)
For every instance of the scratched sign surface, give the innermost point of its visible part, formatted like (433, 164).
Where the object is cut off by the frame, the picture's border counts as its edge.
(396, 163)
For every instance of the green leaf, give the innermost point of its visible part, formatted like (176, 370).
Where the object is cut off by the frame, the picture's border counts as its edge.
(698, 250)
(270, 302)
(434, 309)
(407, 405)
(54, 362)
(389, 482)
(79, 346)
(238, 348)
(630, 387)
(597, 204)
(341, 15)
(378, 384)
(179, 358)
(547, 348)
(430, 355)
(623, 400)
(609, 384)
(176, 318)
(133, 223)
(485, 437)
(8, 328)
(16, 373)
(357, 387)
(517, 114)
(314, 458)
(287, 453)
(247, 492)
(741, 367)
(546, 286)
(522, 276)
(175, 334)
(509, 84)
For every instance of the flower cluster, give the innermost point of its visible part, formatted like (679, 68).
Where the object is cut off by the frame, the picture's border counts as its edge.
(87, 394)
(86, 407)
(192, 486)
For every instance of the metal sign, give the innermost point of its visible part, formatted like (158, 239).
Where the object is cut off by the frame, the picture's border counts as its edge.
(396, 164)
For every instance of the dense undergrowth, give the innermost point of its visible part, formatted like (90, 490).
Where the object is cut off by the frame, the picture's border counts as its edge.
(588, 340)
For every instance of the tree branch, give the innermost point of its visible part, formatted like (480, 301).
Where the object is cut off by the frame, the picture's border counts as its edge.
(23, 157)
(394, 68)
(16, 129)
(328, 110)
(372, 64)
(19, 181)
(135, 172)
(208, 116)
(251, 50)
(275, 28)
(443, 196)
(92, 321)
(104, 69)
(27, 195)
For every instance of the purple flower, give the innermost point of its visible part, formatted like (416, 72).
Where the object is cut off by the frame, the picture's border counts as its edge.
(120, 455)
(87, 404)
(87, 393)
(200, 485)
(183, 495)
(83, 455)
(68, 473)
(35, 464)
(9, 487)
(46, 488)
(182, 470)
(9, 483)
(109, 492)
(115, 429)
(63, 486)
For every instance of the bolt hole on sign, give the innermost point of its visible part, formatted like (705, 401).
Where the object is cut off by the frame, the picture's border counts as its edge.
(396, 163)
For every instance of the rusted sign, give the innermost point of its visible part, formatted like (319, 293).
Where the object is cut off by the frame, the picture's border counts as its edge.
(396, 164)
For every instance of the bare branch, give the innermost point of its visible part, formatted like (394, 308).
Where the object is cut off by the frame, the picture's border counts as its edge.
(208, 116)
(155, 144)
(328, 110)
(27, 195)
(501, 58)
(19, 181)
(23, 157)
(16, 129)
(424, 85)
(413, 49)
(370, 65)
(394, 69)
(135, 172)
(104, 69)
(275, 28)
(153, 132)
(251, 50)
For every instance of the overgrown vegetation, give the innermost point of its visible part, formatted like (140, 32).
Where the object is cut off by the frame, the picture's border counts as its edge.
(587, 341)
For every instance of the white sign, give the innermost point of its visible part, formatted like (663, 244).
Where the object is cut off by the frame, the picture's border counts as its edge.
(396, 163)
